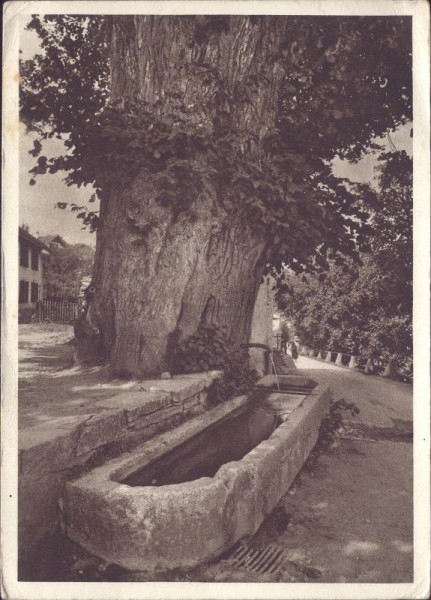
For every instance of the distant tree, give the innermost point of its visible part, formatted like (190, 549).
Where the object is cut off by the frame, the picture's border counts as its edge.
(63, 269)
(366, 308)
(208, 140)
(392, 226)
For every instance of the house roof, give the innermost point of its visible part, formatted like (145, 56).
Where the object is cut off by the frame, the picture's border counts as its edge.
(56, 239)
(38, 243)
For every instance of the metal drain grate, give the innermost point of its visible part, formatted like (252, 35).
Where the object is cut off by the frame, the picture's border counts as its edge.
(269, 560)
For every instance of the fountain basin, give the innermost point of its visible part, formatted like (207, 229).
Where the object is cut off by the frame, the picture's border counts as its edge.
(227, 440)
(180, 524)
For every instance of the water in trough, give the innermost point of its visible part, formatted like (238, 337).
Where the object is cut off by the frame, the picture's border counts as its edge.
(229, 439)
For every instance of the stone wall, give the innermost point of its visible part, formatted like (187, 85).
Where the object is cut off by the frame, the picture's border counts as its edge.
(65, 447)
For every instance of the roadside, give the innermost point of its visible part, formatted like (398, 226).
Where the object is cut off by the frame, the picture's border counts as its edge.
(347, 518)
(349, 515)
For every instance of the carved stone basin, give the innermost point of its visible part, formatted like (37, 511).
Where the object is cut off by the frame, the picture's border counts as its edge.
(161, 506)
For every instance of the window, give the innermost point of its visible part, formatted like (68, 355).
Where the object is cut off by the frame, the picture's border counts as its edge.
(34, 259)
(23, 253)
(23, 292)
(34, 292)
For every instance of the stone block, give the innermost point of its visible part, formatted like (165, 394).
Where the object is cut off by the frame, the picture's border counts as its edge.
(141, 433)
(242, 510)
(146, 528)
(266, 459)
(155, 417)
(100, 429)
(45, 450)
(137, 403)
(179, 388)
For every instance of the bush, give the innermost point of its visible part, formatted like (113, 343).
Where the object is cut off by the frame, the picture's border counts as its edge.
(209, 349)
(331, 423)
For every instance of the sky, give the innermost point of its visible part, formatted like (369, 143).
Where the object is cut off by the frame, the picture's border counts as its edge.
(37, 202)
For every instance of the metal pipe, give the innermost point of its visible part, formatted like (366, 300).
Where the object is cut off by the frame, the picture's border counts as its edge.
(256, 345)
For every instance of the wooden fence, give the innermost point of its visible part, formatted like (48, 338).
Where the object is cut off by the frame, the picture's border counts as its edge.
(56, 311)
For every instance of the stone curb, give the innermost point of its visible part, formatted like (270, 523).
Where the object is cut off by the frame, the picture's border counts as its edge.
(60, 448)
(46, 449)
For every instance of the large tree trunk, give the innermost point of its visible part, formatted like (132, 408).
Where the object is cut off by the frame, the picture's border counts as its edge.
(158, 271)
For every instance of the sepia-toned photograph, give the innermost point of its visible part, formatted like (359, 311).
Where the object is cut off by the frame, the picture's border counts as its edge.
(211, 274)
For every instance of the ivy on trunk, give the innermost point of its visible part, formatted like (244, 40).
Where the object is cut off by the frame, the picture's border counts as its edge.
(189, 129)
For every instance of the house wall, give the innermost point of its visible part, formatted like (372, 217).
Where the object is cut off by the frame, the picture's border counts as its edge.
(27, 274)
(30, 275)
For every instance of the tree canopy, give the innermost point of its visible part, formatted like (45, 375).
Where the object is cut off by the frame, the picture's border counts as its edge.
(365, 309)
(64, 268)
(345, 81)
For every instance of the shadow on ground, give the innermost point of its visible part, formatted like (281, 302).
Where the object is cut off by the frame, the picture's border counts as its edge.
(49, 383)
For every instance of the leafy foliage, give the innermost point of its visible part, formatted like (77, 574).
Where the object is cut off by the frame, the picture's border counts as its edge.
(209, 349)
(393, 219)
(365, 309)
(347, 80)
(64, 268)
(345, 85)
(88, 217)
(330, 429)
(334, 419)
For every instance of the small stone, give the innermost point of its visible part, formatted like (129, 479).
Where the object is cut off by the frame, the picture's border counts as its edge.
(165, 375)
(367, 520)
(320, 506)
(341, 579)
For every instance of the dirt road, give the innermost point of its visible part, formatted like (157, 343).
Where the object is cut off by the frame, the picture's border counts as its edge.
(380, 400)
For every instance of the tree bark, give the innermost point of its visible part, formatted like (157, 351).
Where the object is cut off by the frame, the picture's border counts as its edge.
(157, 271)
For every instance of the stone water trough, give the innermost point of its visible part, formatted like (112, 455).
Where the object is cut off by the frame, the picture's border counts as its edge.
(188, 495)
